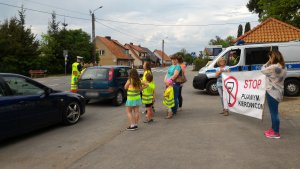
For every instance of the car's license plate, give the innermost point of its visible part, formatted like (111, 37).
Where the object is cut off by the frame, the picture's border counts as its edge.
(91, 94)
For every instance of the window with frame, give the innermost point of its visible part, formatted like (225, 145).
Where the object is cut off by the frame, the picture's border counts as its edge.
(257, 55)
(232, 57)
(122, 72)
(22, 87)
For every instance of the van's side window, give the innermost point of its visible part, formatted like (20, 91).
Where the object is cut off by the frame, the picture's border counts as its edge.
(257, 55)
(232, 57)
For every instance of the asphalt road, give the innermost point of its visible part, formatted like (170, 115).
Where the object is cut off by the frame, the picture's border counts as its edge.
(198, 137)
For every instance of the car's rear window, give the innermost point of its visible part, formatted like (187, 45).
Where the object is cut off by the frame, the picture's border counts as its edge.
(99, 74)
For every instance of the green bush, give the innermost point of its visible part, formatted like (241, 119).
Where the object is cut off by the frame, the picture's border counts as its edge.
(199, 63)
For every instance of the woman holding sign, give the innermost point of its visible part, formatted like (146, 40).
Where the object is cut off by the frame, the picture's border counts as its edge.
(275, 71)
(222, 68)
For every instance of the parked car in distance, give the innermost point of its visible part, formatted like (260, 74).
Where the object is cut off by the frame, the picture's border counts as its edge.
(27, 105)
(104, 83)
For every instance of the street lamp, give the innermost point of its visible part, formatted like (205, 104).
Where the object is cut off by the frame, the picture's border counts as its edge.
(93, 32)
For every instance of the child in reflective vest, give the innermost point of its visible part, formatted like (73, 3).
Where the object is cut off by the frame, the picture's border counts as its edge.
(133, 87)
(148, 97)
(169, 98)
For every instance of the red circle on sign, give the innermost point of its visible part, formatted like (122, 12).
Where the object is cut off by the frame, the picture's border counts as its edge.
(230, 92)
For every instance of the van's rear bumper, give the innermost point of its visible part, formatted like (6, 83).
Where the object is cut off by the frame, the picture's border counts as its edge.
(199, 81)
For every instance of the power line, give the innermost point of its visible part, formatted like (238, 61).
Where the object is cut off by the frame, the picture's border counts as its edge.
(52, 6)
(175, 25)
(45, 12)
(127, 34)
(133, 23)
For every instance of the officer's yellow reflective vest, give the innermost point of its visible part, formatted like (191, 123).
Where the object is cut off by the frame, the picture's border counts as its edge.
(169, 97)
(147, 95)
(74, 77)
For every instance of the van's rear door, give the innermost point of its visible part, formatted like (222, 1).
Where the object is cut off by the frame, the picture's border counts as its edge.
(92, 81)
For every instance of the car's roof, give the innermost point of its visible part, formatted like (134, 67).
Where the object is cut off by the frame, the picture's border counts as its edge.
(109, 66)
(14, 74)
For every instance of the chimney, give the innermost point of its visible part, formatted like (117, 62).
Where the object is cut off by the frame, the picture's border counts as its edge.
(108, 37)
(131, 43)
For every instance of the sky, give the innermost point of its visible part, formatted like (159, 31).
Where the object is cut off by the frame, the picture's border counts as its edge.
(188, 24)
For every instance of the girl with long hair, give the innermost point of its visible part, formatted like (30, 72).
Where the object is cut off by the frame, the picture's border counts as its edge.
(133, 86)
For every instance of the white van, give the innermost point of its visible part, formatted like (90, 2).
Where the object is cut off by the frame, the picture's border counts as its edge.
(251, 58)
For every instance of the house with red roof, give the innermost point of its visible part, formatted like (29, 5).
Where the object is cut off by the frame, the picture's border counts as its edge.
(136, 52)
(271, 31)
(141, 54)
(163, 57)
(111, 52)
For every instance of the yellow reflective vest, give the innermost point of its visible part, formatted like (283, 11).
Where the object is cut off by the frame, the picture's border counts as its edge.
(133, 94)
(74, 77)
(147, 95)
(169, 97)
(144, 75)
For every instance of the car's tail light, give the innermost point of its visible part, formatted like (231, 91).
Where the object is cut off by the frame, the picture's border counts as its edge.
(110, 74)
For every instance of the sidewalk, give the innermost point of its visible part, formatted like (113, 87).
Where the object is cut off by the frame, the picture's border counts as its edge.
(290, 110)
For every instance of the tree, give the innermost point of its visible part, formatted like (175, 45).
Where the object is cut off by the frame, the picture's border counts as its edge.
(77, 42)
(187, 57)
(284, 10)
(247, 27)
(53, 25)
(240, 31)
(253, 6)
(18, 46)
(224, 42)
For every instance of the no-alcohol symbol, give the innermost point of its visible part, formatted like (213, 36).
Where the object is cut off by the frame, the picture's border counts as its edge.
(231, 88)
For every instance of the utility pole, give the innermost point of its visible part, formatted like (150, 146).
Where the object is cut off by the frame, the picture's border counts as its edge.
(162, 56)
(93, 38)
(93, 33)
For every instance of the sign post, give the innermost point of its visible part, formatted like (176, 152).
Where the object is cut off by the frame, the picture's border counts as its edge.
(65, 53)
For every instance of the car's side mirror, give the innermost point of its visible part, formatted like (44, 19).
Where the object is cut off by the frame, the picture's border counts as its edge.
(48, 91)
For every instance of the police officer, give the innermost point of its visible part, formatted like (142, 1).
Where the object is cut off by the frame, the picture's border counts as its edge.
(76, 71)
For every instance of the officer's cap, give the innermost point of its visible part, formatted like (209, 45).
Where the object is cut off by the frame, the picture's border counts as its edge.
(79, 57)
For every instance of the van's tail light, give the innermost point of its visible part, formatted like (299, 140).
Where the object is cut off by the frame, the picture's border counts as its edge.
(110, 74)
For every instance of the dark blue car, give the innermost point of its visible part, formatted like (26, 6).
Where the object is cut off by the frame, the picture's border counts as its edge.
(27, 105)
(104, 83)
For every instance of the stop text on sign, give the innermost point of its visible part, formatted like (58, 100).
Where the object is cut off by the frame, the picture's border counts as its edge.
(252, 84)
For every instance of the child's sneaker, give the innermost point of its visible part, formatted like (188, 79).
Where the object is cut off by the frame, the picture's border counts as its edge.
(131, 128)
(272, 134)
(135, 127)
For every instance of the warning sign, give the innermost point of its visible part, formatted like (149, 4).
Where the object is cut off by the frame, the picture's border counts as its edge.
(231, 88)
(244, 92)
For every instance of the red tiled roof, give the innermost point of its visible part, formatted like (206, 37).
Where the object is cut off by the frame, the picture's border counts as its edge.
(115, 47)
(137, 48)
(165, 56)
(271, 30)
(134, 53)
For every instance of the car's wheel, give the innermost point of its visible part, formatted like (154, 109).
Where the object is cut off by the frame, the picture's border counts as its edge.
(87, 101)
(211, 87)
(119, 98)
(291, 87)
(72, 113)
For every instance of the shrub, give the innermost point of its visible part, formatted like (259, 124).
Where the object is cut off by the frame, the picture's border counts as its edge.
(199, 63)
